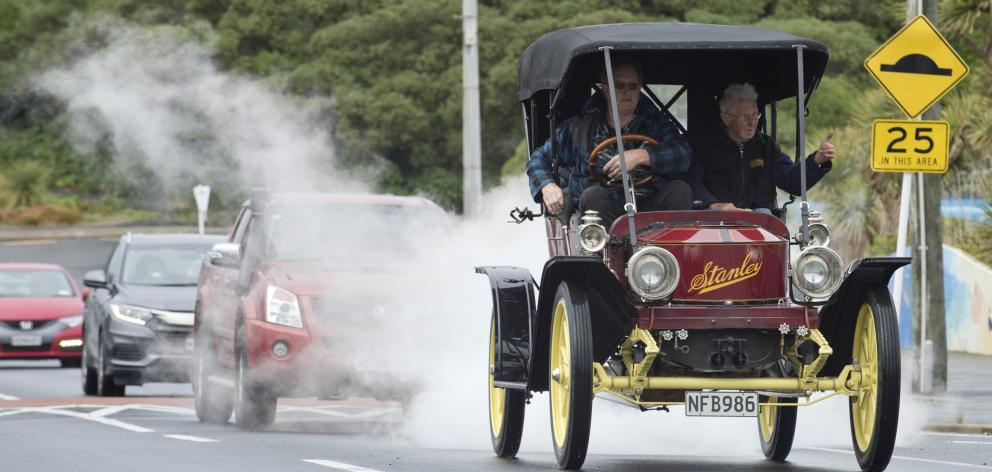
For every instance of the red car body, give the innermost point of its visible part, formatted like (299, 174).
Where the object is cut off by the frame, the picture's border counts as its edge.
(720, 262)
(239, 346)
(40, 325)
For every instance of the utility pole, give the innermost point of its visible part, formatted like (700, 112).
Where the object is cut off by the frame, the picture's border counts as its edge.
(471, 134)
(931, 371)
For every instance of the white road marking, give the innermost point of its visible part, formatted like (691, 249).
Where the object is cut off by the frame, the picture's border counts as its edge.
(339, 465)
(903, 458)
(165, 409)
(987, 443)
(183, 437)
(110, 410)
(959, 435)
(90, 417)
(8, 397)
(334, 411)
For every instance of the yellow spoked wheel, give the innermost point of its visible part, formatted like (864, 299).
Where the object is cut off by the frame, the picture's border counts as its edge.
(506, 409)
(875, 410)
(776, 428)
(570, 375)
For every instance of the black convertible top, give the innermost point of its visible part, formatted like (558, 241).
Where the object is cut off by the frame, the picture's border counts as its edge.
(673, 53)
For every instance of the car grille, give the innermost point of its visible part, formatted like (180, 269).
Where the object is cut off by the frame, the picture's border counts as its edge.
(128, 352)
(44, 347)
(36, 324)
(350, 312)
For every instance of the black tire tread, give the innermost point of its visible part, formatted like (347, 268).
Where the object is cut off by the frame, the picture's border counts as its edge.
(215, 404)
(258, 410)
(573, 454)
(780, 446)
(87, 375)
(507, 442)
(882, 444)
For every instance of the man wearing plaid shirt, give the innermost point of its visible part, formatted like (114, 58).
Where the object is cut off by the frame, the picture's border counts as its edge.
(576, 137)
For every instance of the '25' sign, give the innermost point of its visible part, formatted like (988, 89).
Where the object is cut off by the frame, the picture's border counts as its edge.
(909, 146)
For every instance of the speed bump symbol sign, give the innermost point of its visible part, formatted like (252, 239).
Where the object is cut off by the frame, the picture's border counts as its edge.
(909, 146)
(916, 66)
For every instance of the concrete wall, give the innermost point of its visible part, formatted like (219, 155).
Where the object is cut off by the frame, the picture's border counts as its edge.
(968, 295)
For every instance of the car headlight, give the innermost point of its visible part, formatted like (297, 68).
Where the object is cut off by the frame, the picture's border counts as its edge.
(131, 314)
(818, 272)
(282, 307)
(653, 273)
(592, 234)
(592, 237)
(72, 321)
(819, 235)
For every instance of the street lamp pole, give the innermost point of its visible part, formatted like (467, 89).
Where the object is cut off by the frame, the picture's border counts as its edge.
(471, 134)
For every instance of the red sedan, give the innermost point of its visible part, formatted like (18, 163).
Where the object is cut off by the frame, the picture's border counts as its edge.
(41, 313)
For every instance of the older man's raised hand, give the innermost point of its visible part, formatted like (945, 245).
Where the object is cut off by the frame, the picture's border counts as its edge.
(827, 151)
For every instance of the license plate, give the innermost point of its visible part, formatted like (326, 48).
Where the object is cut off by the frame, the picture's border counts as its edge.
(721, 404)
(25, 341)
(370, 364)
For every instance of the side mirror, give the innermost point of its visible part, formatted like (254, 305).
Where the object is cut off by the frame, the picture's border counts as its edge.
(95, 279)
(225, 255)
(86, 293)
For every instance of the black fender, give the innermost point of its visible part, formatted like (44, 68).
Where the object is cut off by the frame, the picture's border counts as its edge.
(612, 317)
(838, 315)
(514, 311)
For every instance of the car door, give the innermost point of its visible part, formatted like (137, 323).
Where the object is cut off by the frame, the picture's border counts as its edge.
(97, 305)
(220, 299)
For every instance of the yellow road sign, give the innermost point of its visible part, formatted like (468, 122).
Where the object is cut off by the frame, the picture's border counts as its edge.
(909, 146)
(916, 66)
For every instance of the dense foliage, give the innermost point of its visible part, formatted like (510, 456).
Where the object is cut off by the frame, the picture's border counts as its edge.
(388, 76)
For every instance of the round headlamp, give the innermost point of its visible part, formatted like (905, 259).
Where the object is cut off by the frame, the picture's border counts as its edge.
(819, 235)
(818, 272)
(653, 273)
(593, 237)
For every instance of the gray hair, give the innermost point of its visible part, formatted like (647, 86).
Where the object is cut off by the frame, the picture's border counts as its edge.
(737, 93)
(618, 62)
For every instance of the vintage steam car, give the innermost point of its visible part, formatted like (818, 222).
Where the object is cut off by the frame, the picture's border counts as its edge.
(725, 313)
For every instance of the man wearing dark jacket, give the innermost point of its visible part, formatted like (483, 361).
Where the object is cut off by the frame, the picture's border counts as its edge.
(577, 136)
(738, 168)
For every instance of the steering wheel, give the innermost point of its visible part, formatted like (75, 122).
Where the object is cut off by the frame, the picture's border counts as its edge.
(641, 177)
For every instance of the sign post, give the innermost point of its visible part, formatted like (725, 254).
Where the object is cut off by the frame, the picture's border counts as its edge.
(201, 193)
(916, 67)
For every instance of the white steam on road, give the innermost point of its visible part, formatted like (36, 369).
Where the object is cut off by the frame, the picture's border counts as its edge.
(165, 107)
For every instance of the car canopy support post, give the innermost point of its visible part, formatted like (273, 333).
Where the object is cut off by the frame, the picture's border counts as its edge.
(630, 204)
(774, 120)
(800, 141)
(554, 144)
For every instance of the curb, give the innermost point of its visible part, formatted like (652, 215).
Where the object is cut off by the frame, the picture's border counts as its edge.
(96, 232)
(962, 428)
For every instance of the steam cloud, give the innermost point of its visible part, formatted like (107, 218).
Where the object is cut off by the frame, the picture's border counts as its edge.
(151, 93)
(164, 107)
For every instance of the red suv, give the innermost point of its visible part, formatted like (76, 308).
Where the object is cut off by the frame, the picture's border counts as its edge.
(287, 304)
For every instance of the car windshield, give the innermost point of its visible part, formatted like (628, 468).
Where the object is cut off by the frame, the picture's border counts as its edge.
(163, 264)
(35, 283)
(367, 235)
